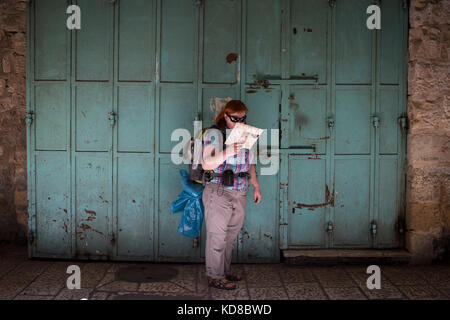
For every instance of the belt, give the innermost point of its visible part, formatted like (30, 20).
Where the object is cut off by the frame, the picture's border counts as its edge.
(208, 176)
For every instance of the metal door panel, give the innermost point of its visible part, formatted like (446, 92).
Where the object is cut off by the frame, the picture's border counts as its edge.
(53, 222)
(308, 38)
(51, 108)
(214, 98)
(259, 234)
(93, 40)
(136, 40)
(263, 49)
(135, 192)
(352, 203)
(135, 118)
(307, 119)
(308, 197)
(172, 246)
(389, 127)
(93, 107)
(51, 39)
(353, 121)
(177, 110)
(93, 204)
(221, 37)
(388, 203)
(391, 34)
(264, 111)
(353, 42)
(178, 52)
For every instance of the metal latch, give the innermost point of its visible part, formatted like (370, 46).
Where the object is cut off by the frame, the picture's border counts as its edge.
(331, 3)
(29, 118)
(113, 239)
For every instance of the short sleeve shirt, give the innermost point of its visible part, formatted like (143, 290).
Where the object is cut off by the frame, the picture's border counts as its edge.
(238, 163)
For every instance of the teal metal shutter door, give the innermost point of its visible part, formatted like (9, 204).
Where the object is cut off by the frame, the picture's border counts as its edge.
(103, 101)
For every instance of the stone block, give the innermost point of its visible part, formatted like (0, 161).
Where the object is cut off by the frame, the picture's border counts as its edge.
(421, 248)
(424, 217)
(428, 81)
(424, 184)
(428, 12)
(427, 147)
(20, 198)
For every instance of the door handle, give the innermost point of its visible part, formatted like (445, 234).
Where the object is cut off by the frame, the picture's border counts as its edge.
(314, 79)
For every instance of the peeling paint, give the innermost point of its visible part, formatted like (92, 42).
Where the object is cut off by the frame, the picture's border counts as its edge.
(91, 212)
(216, 104)
(329, 200)
(231, 57)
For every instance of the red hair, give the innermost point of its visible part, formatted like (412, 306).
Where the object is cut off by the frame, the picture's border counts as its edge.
(231, 106)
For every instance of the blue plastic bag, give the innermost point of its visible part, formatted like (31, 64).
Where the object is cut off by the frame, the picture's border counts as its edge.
(190, 202)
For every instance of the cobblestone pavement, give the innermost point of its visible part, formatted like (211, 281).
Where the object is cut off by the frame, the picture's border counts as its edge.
(22, 279)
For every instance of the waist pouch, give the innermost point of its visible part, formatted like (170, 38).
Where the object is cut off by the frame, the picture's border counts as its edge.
(228, 178)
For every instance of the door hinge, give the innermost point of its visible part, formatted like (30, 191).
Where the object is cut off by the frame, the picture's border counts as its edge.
(31, 237)
(373, 227)
(331, 3)
(376, 121)
(112, 118)
(29, 118)
(113, 239)
(403, 122)
(195, 242)
(330, 227)
(401, 227)
(330, 122)
(405, 4)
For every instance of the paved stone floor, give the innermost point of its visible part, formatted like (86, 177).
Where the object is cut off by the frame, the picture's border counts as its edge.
(21, 279)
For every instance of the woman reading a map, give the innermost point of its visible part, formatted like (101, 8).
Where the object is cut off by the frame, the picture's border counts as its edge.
(224, 196)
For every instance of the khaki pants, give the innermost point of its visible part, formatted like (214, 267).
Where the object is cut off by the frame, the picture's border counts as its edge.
(224, 216)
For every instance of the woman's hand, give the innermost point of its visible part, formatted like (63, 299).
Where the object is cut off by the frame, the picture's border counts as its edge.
(232, 150)
(257, 195)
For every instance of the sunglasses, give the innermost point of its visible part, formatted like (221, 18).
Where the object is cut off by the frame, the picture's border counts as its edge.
(236, 119)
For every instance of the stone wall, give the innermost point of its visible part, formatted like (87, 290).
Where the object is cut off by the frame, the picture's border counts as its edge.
(428, 158)
(13, 174)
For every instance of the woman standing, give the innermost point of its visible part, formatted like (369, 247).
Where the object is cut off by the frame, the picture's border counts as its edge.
(225, 204)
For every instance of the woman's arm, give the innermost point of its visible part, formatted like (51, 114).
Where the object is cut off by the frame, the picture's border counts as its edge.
(255, 183)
